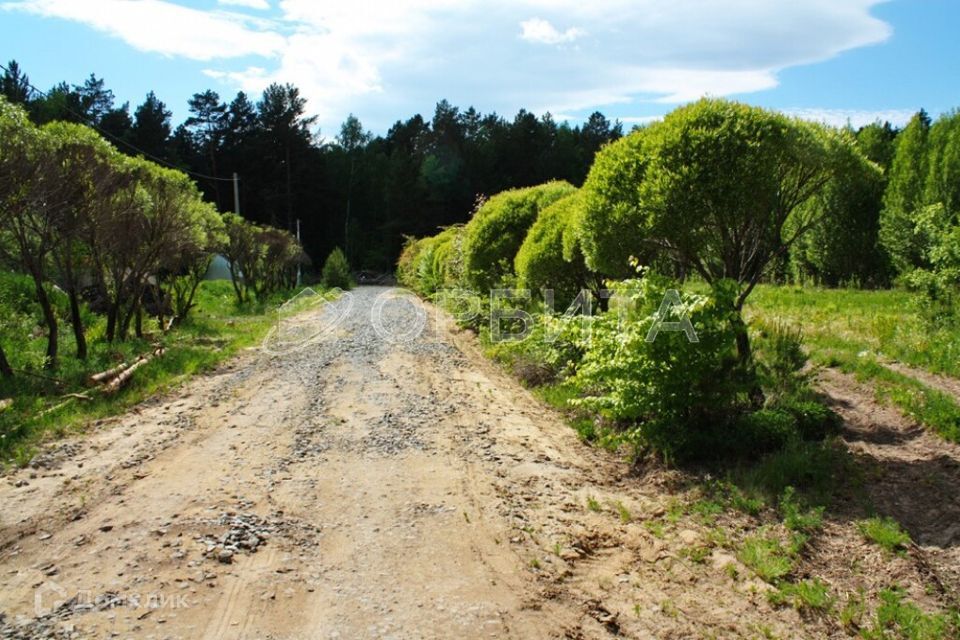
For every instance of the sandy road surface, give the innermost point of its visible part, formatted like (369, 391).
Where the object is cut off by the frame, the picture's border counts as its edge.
(361, 481)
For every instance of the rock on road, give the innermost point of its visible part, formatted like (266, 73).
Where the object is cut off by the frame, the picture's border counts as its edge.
(359, 486)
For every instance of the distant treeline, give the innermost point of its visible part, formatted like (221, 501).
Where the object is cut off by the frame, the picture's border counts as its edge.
(358, 191)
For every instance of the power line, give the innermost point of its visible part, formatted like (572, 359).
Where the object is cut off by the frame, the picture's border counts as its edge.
(117, 139)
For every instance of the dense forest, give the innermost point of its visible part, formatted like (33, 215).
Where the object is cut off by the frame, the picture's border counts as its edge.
(356, 190)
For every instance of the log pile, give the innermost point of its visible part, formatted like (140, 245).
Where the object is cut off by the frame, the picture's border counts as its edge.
(112, 380)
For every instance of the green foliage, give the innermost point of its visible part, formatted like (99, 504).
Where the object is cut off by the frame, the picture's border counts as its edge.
(613, 225)
(904, 195)
(796, 517)
(885, 532)
(406, 263)
(494, 234)
(553, 349)
(842, 246)
(683, 396)
(550, 256)
(815, 467)
(710, 172)
(336, 271)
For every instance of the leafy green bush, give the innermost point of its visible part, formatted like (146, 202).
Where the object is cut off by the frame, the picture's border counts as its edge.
(684, 397)
(406, 263)
(550, 256)
(612, 227)
(336, 271)
(494, 234)
(553, 349)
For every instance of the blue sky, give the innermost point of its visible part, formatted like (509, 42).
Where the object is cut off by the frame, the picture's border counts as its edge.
(831, 60)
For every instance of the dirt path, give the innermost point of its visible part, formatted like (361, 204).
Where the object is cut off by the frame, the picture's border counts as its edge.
(359, 484)
(363, 487)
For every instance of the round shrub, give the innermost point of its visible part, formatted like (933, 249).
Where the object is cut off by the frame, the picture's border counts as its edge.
(550, 256)
(612, 228)
(494, 234)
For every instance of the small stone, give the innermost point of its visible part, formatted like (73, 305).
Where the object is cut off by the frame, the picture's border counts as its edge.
(225, 556)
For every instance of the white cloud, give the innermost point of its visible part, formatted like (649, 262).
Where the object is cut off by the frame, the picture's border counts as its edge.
(384, 58)
(854, 117)
(542, 32)
(163, 27)
(250, 4)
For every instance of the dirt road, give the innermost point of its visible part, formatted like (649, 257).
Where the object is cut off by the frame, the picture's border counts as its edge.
(359, 486)
(362, 477)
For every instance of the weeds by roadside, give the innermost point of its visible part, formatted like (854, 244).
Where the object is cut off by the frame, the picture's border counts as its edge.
(216, 330)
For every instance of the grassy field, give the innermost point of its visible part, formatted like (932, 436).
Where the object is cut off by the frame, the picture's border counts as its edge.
(217, 329)
(861, 332)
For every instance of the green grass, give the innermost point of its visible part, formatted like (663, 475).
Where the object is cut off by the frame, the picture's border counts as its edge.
(885, 532)
(857, 330)
(623, 512)
(898, 619)
(767, 557)
(807, 595)
(216, 330)
(851, 321)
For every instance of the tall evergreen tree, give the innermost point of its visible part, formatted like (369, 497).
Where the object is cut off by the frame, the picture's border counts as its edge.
(15, 85)
(151, 127)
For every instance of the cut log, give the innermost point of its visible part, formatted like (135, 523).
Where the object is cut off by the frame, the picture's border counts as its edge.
(115, 384)
(109, 374)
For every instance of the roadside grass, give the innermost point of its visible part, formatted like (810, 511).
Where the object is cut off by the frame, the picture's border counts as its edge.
(788, 493)
(886, 533)
(216, 330)
(806, 595)
(896, 618)
(857, 330)
(767, 557)
(850, 321)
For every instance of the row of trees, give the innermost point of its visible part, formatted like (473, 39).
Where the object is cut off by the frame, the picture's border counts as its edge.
(351, 189)
(127, 234)
(920, 223)
(717, 189)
